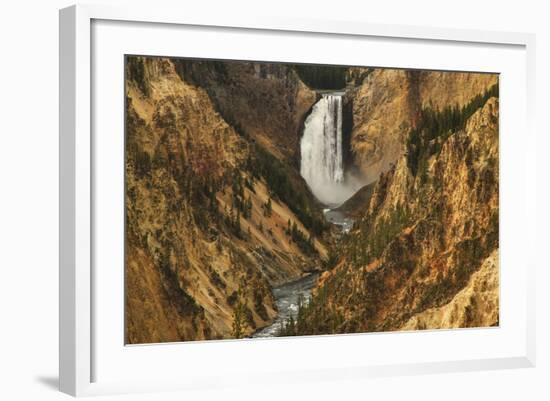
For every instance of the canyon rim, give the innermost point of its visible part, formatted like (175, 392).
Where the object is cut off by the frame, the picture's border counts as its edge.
(275, 199)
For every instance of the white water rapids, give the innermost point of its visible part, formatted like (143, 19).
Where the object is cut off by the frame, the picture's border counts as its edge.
(322, 163)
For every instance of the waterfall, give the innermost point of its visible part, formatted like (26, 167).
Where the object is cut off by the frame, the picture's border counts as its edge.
(321, 150)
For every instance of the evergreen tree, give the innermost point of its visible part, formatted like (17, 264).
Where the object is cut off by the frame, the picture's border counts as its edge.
(239, 319)
(268, 208)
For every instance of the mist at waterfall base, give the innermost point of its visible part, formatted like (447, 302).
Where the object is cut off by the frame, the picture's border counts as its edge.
(322, 164)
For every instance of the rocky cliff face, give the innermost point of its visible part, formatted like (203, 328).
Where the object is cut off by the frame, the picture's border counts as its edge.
(217, 213)
(387, 103)
(267, 102)
(476, 305)
(424, 254)
(206, 234)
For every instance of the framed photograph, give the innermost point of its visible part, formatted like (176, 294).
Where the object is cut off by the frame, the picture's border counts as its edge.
(275, 199)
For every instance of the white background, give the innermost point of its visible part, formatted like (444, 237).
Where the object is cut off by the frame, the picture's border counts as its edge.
(28, 199)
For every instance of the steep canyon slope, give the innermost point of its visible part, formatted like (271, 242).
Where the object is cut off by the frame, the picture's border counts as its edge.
(266, 101)
(212, 219)
(387, 104)
(424, 253)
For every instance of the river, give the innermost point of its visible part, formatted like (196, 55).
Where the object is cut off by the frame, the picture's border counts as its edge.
(286, 298)
(339, 218)
(288, 294)
(322, 167)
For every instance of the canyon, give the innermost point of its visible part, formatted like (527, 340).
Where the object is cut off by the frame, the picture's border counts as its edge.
(371, 193)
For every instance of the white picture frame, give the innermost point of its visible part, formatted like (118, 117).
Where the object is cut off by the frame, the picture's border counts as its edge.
(78, 367)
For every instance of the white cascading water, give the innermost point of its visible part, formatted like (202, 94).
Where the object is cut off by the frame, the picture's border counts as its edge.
(321, 151)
